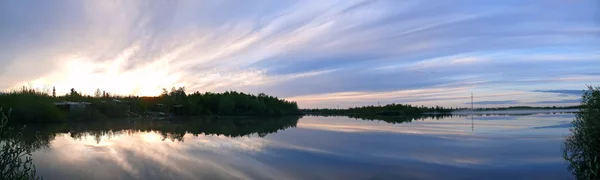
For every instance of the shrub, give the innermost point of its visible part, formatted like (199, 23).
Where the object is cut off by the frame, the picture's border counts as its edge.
(582, 149)
(15, 157)
(30, 105)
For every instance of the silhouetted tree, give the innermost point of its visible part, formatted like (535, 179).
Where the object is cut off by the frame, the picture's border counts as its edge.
(74, 93)
(582, 149)
(98, 93)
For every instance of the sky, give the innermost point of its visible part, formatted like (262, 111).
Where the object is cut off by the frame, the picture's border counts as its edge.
(334, 53)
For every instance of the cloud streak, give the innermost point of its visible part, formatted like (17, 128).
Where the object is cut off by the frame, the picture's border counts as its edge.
(563, 92)
(559, 101)
(304, 50)
(494, 102)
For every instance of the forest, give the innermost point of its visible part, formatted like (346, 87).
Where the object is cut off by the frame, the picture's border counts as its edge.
(392, 119)
(31, 105)
(386, 110)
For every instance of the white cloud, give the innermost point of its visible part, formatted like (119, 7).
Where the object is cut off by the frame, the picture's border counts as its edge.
(351, 51)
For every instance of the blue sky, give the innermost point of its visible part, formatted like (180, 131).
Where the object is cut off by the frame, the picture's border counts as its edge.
(320, 53)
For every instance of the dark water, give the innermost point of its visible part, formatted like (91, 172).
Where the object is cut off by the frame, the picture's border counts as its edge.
(459, 147)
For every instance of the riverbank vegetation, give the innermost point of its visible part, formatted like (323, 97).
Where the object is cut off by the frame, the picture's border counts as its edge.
(582, 148)
(15, 156)
(31, 105)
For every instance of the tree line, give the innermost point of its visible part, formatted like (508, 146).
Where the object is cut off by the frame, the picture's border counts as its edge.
(526, 107)
(386, 110)
(31, 105)
(228, 103)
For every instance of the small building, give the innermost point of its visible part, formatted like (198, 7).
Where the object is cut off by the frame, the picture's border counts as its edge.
(71, 106)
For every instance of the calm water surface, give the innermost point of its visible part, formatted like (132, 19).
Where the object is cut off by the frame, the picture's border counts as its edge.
(480, 147)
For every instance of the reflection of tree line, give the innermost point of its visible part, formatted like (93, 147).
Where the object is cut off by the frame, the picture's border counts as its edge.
(17, 141)
(175, 130)
(407, 119)
(39, 136)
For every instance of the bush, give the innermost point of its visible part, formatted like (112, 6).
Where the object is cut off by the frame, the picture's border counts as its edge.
(582, 149)
(31, 106)
(15, 156)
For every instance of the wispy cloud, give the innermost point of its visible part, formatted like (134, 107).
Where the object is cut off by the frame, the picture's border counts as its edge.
(562, 92)
(559, 101)
(494, 102)
(358, 51)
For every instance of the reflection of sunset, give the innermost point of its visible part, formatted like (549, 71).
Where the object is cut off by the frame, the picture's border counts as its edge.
(453, 127)
(151, 137)
(346, 143)
(117, 149)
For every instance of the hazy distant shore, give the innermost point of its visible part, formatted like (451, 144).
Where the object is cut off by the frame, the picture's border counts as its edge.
(515, 111)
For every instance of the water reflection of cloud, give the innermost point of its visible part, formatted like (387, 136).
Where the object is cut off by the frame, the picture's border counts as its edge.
(323, 148)
(491, 142)
(491, 118)
(222, 144)
(452, 126)
(139, 154)
(384, 128)
(431, 153)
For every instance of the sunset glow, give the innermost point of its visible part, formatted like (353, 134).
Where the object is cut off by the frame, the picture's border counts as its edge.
(353, 52)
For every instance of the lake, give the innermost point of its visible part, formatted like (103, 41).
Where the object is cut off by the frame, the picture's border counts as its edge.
(523, 146)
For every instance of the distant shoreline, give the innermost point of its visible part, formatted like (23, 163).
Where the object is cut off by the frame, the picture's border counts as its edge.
(513, 111)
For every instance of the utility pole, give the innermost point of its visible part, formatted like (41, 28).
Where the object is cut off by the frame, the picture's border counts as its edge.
(472, 122)
(472, 101)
